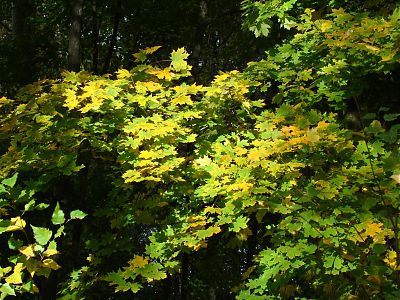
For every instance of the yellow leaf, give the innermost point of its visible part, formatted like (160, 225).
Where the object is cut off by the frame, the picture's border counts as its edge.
(325, 25)
(123, 74)
(50, 252)
(71, 101)
(254, 155)
(147, 154)
(151, 50)
(16, 276)
(16, 224)
(391, 259)
(138, 262)
(28, 251)
(373, 229)
(152, 86)
(182, 99)
(240, 151)
(221, 77)
(162, 74)
(49, 263)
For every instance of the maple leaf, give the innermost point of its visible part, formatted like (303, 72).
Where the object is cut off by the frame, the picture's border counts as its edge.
(123, 73)
(372, 229)
(71, 100)
(138, 262)
(181, 100)
(178, 60)
(162, 74)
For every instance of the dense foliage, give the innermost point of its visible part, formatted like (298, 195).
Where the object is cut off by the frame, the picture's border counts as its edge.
(279, 181)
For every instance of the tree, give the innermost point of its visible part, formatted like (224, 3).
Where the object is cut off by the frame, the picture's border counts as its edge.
(74, 44)
(249, 186)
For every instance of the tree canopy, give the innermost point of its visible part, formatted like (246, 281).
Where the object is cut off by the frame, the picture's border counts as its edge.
(199, 149)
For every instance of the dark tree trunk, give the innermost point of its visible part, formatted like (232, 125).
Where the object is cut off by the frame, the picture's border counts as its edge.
(22, 9)
(96, 19)
(184, 277)
(199, 37)
(24, 54)
(252, 241)
(74, 46)
(113, 39)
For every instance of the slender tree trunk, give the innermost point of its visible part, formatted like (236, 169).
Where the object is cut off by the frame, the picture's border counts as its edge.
(74, 46)
(184, 277)
(24, 55)
(252, 241)
(199, 37)
(21, 10)
(113, 39)
(96, 31)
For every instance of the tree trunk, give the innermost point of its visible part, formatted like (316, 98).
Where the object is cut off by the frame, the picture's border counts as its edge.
(23, 60)
(74, 46)
(96, 23)
(21, 10)
(199, 38)
(184, 277)
(113, 39)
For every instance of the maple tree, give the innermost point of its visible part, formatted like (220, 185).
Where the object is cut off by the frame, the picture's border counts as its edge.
(253, 175)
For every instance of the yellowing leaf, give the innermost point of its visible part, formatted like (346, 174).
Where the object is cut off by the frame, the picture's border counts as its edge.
(50, 252)
(16, 276)
(152, 86)
(51, 264)
(181, 100)
(162, 74)
(254, 155)
(138, 262)
(71, 100)
(122, 73)
(373, 229)
(28, 251)
(16, 224)
(151, 50)
(142, 54)
(391, 259)
(178, 60)
(325, 25)
(132, 176)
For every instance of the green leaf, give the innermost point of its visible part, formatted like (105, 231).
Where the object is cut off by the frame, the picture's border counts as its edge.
(29, 206)
(7, 290)
(42, 235)
(14, 243)
(59, 232)
(10, 181)
(2, 189)
(77, 214)
(4, 224)
(58, 215)
(178, 59)
(42, 206)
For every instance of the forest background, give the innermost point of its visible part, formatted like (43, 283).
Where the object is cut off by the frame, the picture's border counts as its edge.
(199, 149)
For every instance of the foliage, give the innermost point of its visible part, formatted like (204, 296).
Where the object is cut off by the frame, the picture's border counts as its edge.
(328, 59)
(169, 175)
(31, 252)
